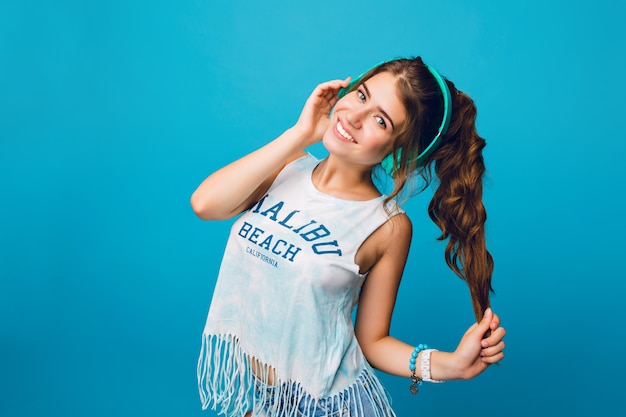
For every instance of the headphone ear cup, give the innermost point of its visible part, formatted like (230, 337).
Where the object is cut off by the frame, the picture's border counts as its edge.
(388, 163)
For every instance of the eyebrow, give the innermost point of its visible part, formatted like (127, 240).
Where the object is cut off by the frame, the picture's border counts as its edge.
(367, 91)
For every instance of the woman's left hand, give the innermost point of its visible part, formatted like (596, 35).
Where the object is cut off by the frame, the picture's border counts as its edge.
(475, 352)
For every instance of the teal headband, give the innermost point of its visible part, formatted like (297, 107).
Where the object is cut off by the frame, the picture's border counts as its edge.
(388, 162)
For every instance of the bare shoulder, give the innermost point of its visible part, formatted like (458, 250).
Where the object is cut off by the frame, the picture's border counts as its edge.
(394, 240)
(391, 240)
(398, 227)
(394, 233)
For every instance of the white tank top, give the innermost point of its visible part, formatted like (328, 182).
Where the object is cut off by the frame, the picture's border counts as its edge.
(286, 288)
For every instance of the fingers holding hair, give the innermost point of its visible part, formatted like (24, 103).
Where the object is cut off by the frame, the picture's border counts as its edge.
(493, 346)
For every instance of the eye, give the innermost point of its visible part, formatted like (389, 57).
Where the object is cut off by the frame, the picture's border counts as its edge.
(361, 95)
(381, 122)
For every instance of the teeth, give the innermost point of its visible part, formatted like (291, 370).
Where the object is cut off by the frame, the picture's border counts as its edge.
(345, 134)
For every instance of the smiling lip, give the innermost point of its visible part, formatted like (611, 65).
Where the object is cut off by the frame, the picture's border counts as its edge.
(342, 133)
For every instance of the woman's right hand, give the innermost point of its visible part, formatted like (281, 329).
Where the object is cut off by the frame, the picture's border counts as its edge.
(313, 120)
(231, 189)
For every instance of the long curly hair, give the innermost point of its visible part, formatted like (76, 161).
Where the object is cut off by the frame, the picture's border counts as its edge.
(456, 207)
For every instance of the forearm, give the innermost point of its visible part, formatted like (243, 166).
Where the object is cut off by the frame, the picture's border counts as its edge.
(474, 353)
(392, 356)
(229, 190)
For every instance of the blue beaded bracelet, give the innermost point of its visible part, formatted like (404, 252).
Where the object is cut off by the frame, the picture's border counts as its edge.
(415, 380)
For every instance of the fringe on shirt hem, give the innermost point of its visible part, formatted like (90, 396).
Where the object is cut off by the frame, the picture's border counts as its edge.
(228, 385)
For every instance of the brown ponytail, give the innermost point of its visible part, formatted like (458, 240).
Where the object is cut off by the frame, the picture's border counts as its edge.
(456, 207)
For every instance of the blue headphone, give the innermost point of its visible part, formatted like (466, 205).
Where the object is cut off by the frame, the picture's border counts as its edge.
(388, 162)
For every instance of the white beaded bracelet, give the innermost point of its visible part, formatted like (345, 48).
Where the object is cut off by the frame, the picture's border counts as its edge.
(425, 366)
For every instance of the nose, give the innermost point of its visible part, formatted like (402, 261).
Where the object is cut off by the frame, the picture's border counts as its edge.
(354, 117)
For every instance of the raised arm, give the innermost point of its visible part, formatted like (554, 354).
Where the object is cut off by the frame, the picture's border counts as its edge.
(233, 188)
(378, 295)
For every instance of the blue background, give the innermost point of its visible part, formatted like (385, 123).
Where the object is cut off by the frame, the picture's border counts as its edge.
(112, 112)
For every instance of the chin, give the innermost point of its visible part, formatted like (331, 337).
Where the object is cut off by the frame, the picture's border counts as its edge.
(331, 143)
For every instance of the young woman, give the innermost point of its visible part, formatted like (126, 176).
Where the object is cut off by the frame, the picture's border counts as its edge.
(317, 238)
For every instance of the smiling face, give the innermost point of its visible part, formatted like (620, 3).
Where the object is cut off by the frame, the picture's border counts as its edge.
(365, 122)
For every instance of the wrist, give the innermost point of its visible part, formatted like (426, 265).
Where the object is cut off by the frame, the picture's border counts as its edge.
(298, 136)
(445, 366)
(420, 362)
(425, 366)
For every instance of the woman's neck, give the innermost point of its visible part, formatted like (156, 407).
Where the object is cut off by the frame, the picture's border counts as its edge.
(348, 182)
